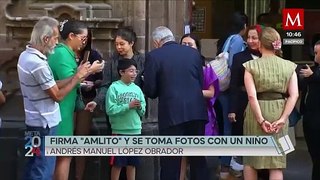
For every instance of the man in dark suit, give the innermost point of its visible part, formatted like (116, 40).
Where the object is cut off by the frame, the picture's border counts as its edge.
(310, 108)
(238, 96)
(174, 74)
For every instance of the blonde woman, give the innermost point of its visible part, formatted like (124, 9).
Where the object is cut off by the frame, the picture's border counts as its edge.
(271, 84)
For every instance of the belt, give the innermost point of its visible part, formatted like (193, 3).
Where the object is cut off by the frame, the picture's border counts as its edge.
(268, 96)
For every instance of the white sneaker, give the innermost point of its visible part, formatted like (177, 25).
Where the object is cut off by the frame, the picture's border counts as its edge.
(224, 175)
(235, 173)
(235, 165)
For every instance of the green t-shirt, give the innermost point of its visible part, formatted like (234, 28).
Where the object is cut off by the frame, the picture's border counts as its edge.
(63, 65)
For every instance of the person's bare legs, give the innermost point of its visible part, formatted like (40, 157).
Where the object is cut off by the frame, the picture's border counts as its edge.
(62, 168)
(83, 125)
(250, 173)
(183, 170)
(275, 174)
(131, 172)
(115, 172)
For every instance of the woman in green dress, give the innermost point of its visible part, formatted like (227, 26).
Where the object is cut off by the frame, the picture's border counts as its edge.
(63, 65)
(271, 83)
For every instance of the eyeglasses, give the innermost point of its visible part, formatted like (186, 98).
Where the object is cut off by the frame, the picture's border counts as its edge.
(133, 71)
(187, 44)
(82, 38)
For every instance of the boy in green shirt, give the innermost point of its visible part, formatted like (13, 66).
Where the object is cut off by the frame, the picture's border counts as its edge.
(125, 105)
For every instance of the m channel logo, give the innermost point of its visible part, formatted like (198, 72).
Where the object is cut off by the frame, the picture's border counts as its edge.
(293, 26)
(33, 143)
(293, 19)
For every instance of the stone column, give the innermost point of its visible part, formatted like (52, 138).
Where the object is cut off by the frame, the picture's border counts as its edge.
(167, 13)
(139, 24)
(134, 15)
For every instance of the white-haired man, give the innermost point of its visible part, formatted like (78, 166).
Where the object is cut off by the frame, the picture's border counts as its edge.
(174, 74)
(41, 93)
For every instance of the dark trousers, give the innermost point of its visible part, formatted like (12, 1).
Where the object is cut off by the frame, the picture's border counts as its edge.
(108, 130)
(170, 166)
(311, 128)
(219, 117)
(237, 127)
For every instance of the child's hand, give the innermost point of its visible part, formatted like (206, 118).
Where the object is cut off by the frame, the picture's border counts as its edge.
(134, 103)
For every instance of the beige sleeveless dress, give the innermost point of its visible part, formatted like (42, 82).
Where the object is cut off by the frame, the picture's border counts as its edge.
(270, 74)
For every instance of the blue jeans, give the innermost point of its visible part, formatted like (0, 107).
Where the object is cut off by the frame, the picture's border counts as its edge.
(41, 167)
(224, 101)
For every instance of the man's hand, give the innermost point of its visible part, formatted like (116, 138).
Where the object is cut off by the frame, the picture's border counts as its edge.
(232, 117)
(90, 106)
(306, 72)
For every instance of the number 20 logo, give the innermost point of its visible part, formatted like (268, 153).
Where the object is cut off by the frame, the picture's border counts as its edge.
(32, 146)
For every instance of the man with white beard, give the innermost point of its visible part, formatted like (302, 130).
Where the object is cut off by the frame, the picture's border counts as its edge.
(41, 93)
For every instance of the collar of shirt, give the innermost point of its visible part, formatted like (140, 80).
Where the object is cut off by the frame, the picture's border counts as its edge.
(67, 48)
(32, 50)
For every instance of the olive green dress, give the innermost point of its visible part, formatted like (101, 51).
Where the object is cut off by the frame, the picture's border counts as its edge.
(270, 74)
(63, 65)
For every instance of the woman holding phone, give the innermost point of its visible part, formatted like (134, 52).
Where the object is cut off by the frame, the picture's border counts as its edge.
(64, 65)
(85, 94)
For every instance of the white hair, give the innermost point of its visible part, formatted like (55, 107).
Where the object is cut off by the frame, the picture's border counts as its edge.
(44, 27)
(162, 34)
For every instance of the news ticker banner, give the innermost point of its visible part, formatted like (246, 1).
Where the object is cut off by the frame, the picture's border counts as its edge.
(161, 146)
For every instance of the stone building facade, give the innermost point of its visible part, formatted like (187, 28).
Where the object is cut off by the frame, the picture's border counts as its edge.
(102, 16)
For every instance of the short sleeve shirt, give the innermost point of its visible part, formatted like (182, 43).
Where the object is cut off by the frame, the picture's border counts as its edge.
(63, 64)
(35, 78)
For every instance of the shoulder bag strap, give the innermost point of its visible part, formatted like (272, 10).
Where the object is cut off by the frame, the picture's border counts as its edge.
(227, 43)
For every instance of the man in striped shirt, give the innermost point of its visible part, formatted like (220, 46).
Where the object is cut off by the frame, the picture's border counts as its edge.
(41, 93)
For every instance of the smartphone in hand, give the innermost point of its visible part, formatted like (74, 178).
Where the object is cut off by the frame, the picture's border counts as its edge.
(304, 67)
(85, 57)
